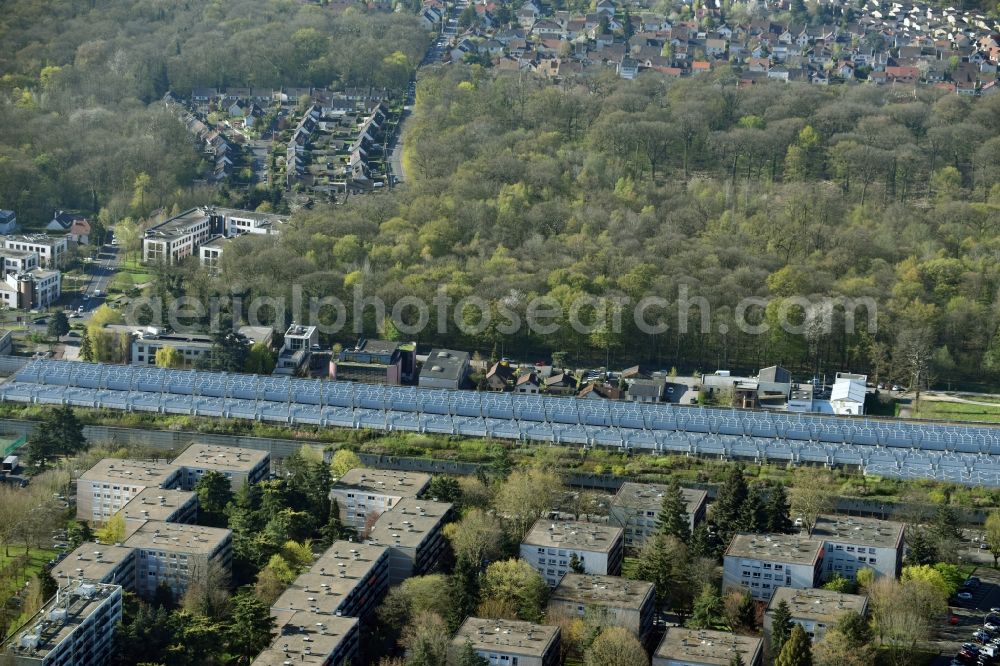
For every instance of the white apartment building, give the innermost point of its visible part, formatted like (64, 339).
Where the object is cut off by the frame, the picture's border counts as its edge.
(239, 465)
(817, 610)
(362, 494)
(51, 250)
(175, 553)
(74, 628)
(311, 639)
(92, 561)
(550, 546)
(626, 603)
(695, 647)
(177, 238)
(412, 531)
(509, 642)
(761, 563)
(852, 544)
(108, 486)
(636, 507)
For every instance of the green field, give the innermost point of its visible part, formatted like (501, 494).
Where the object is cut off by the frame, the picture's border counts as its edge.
(13, 576)
(958, 411)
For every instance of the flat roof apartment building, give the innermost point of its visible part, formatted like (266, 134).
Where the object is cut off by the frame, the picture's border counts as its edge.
(816, 609)
(74, 628)
(349, 579)
(509, 642)
(761, 563)
(166, 505)
(239, 465)
(363, 493)
(175, 553)
(695, 647)
(636, 506)
(412, 531)
(853, 544)
(104, 489)
(98, 562)
(625, 603)
(308, 639)
(550, 545)
(51, 250)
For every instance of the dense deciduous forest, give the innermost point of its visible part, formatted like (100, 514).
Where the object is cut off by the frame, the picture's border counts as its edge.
(520, 188)
(80, 81)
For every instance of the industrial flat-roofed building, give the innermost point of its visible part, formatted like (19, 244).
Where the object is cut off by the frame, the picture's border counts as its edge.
(375, 362)
(550, 545)
(627, 603)
(169, 506)
(636, 507)
(348, 579)
(412, 531)
(237, 464)
(853, 543)
(74, 628)
(761, 563)
(816, 609)
(177, 238)
(509, 642)
(364, 493)
(695, 647)
(98, 562)
(311, 640)
(108, 486)
(175, 553)
(445, 369)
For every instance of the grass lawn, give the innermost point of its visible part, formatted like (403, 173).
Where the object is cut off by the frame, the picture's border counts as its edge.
(957, 411)
(37, 558)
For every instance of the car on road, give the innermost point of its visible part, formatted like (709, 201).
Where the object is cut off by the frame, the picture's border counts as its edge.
(964, 596)
(897, 387)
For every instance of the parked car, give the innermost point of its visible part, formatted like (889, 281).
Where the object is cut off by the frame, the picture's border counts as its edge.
(964, 596)
(972, 581)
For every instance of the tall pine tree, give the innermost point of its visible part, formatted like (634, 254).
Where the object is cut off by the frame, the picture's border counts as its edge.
(797, 650)
(777, 510)
(781, 627)
(753, 517)
(729, 503)
(464, 583)
(673, 517)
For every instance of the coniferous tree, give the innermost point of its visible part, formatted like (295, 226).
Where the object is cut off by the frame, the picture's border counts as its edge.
(781, 626)
(464, 584)
(673, 517)
(729, 503)
(468, 656)
(736, 660)
(747, 612)
(753, 515)
(576, 564)
(707, 610)
(777, 510)
(797, 650)
(703, 544)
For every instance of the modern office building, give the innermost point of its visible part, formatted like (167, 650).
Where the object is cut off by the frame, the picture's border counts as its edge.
(362, 494)
(412, 531)
(176, 553)
(623, 602)
(103, 563)
(108, 486)
(31, 289)
(349, 579)
(375, 362)
(550, 546)
(445, 369)
(761, 563)
(636, 507)
(816, 609)
(177, 238)
(51, 250)
(74, 628)
(853, 543)
(695, 647)
(309, 639)
(299, 342)
(509, 642)
(239, 465)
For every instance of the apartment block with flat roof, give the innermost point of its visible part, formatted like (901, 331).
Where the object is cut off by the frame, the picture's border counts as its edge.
(74, 628)
(509, 642)
(237, 464)
(636, 507)
(549, 547)
(169, 506)
(349, 579)
(412, 531)
(853, 543)
(623, 602)
(816, 609)
(363, 493)
(308, 639)
(98, 562)
(176, 553)
(761, 563)
(695, 647)
(104, 489)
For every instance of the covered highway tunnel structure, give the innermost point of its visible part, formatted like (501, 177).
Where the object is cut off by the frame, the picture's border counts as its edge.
(883, 447)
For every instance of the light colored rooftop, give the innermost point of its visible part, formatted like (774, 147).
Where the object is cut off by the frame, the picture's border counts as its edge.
(90, 561)
(58, 618)
(649, 496)
(611, 591)
(817, 604)
(695, 646)
(785, 548)
(506, 636)
(178, 225)
(220, 458)
(573, 534)
(870, 532)
(331, 578)
(178, 538)
(385, 482)
(305, 638)
(144, 473)
(157, 504)
(408, 523)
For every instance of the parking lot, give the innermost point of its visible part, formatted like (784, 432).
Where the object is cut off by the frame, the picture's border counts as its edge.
(970, 615)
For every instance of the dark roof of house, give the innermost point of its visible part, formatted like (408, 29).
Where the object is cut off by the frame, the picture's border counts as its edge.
(646, 388)
(775, 374)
